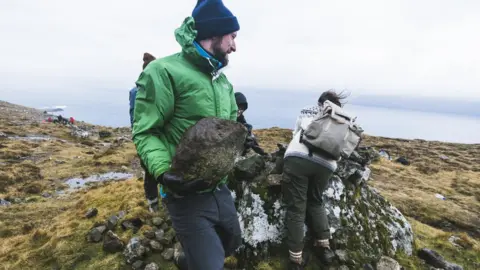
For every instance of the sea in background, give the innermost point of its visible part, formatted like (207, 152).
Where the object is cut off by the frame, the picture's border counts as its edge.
(274, 109)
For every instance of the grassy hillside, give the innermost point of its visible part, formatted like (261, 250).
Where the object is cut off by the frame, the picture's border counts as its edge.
(45, 226)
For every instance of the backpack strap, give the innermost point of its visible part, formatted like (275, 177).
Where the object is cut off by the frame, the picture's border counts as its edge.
(310, 152)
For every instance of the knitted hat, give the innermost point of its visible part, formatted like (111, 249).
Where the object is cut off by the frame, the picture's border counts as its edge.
(241, 100)
(213, 19)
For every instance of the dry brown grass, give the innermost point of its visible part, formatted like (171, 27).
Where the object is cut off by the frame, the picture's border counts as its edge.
(55, 234)
(426, 156)
(414, 194)
(45, 164)
(269, 138)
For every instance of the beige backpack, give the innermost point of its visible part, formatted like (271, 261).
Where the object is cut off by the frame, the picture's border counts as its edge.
(332, 133)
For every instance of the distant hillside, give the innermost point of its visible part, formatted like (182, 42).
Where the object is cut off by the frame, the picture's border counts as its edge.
(431, 104)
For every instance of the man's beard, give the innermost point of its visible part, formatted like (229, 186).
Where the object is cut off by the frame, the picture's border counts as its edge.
(218, 53)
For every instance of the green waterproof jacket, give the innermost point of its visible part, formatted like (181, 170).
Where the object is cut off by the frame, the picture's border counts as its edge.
(175, 92)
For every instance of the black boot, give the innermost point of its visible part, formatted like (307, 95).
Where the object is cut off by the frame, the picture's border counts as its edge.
(324, 254)
(300, 266)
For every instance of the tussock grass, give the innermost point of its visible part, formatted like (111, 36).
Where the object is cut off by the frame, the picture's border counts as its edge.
(59, 229)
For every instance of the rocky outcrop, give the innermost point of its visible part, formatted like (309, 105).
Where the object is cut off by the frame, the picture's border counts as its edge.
(363, 224)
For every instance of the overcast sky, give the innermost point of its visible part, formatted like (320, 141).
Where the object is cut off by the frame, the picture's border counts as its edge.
(428, 47)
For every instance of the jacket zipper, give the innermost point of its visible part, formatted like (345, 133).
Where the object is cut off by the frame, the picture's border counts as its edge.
(214, 74)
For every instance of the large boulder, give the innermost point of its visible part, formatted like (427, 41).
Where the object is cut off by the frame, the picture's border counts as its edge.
(208, 149)
(364, 225)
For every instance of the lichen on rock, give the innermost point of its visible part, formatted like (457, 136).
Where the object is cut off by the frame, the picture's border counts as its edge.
(363, 224)
(254, 220)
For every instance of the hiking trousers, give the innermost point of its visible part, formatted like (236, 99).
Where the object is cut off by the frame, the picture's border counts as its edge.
(303, 184)
(207, 226)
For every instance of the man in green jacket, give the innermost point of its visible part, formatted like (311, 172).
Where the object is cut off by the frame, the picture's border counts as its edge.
(175, 92)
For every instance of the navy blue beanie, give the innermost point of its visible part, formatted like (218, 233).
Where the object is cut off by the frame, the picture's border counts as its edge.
(241, 100)
(213, 19)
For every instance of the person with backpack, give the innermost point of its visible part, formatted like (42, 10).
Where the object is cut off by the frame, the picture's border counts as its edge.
(150, 184)
(251, 141)
(174, 93)
(306, 175)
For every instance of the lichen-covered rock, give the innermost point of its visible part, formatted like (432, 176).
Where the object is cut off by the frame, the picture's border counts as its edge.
(134, 250)
(208, 149)
(134, 223)
(149, 234)
(112, 222)
(248, 168)
(387, 263)
(157, 221)
(341, 255)
(4, 202)
(112, 243)
(168, 254)
(91, 212)
(138, 265)
(363, 224)
(156, 246)
(95, 234)
(151, 266)
(434, 259)
(168, 237)
(159, 234)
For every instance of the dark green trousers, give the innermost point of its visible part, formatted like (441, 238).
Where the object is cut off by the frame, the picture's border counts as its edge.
(303, 184)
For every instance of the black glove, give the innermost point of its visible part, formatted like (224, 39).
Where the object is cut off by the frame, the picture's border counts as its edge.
(252, 143)
(180, 186)
(249, 142)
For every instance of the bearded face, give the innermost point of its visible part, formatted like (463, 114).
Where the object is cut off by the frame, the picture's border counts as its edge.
(223, 46)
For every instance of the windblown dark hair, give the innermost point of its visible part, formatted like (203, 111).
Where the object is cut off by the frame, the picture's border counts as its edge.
(147, 58)
(333, 97)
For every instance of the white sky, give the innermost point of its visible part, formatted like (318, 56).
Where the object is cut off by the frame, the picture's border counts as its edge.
(401, 47)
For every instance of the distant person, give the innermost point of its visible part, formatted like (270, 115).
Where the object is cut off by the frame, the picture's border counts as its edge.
(175, 92)
(305, 178)
(147, 58)
(150, 184)
(61, 120)
(251, 141)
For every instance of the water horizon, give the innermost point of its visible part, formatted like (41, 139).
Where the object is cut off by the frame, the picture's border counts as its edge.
(278, 109)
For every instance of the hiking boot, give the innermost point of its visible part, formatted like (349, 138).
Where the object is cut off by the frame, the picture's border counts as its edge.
(324, 254)
(299, 266)
(296, 266)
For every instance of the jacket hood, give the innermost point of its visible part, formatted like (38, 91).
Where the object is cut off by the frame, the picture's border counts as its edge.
(185, 36)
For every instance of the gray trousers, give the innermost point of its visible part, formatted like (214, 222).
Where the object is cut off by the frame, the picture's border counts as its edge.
(303, 184)
(207, 226)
